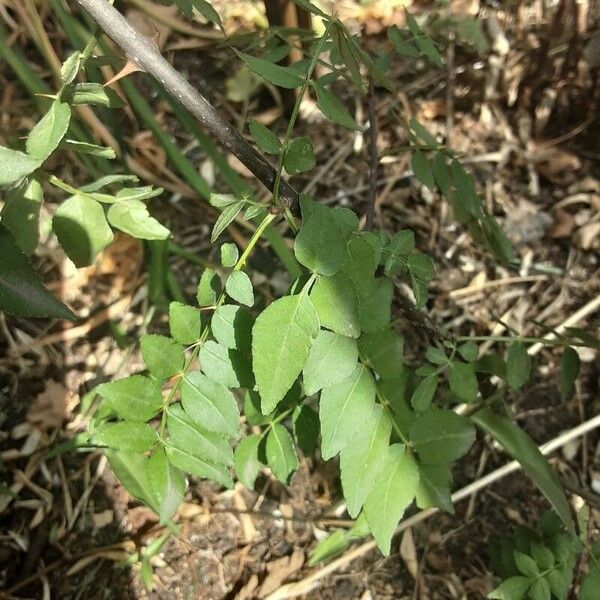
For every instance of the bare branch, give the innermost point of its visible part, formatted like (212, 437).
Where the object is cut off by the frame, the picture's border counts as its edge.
(142, 51)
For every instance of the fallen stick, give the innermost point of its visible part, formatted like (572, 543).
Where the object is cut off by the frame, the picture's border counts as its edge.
(304, 586)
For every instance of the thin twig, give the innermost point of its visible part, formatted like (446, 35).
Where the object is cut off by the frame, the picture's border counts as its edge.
(374, 159)
(144, 53)
(309, 583)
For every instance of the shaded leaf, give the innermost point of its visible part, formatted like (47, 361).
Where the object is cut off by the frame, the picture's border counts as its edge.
(331, 106)
(299, 156)
(21, 212)
(441, 436)
(265, 139)
(522, 448)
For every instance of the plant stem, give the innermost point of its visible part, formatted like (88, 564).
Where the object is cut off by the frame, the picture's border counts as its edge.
(294, 116)
(143, 52)
(204, 335)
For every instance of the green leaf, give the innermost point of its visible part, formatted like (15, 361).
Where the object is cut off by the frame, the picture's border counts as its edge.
(210, 404)
(424, 393)
(49, 132)
(435, 355)
(230, 212)
(306, 428)
(336, 303)
(189, 463)
(299, 156)
(330, 105)
(540, 590)
(91, 149)
(463, 382)
(70, 68)
(280, 452)
(399, 247)
(543, 556)
(343, 410)
(441, 172)
(469, 351)
(590, 584)
(131, 470)
(361, 263)
(522, 448)
(163, 356)
(252, 409)
(96, 93)
(208, 12)
(265, 139)
(375, 304)
(393, 492)
(129, 436)
(331, 359)
(422, 169)
(223, 200)
(441, 436)
(135, 398)
(332, 545)
(569, 370)
(514, 588)
(360, 461)
(166, 482)
(225, 366)
(427, 48)
(277, 75)
(15, 165)
(246, 461)
(21, 290)
(422, 133)
(281, 339)
(346, 220)
(81, 228)
(232, 327)
(185, 323)
(518, 366)
(347, 54)
(420, 266)
(193, 438)
(239, 287)
(21, 213)
(526, 565)
(132, 217)
(434, 487)
(383, 351)
(209, 288)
